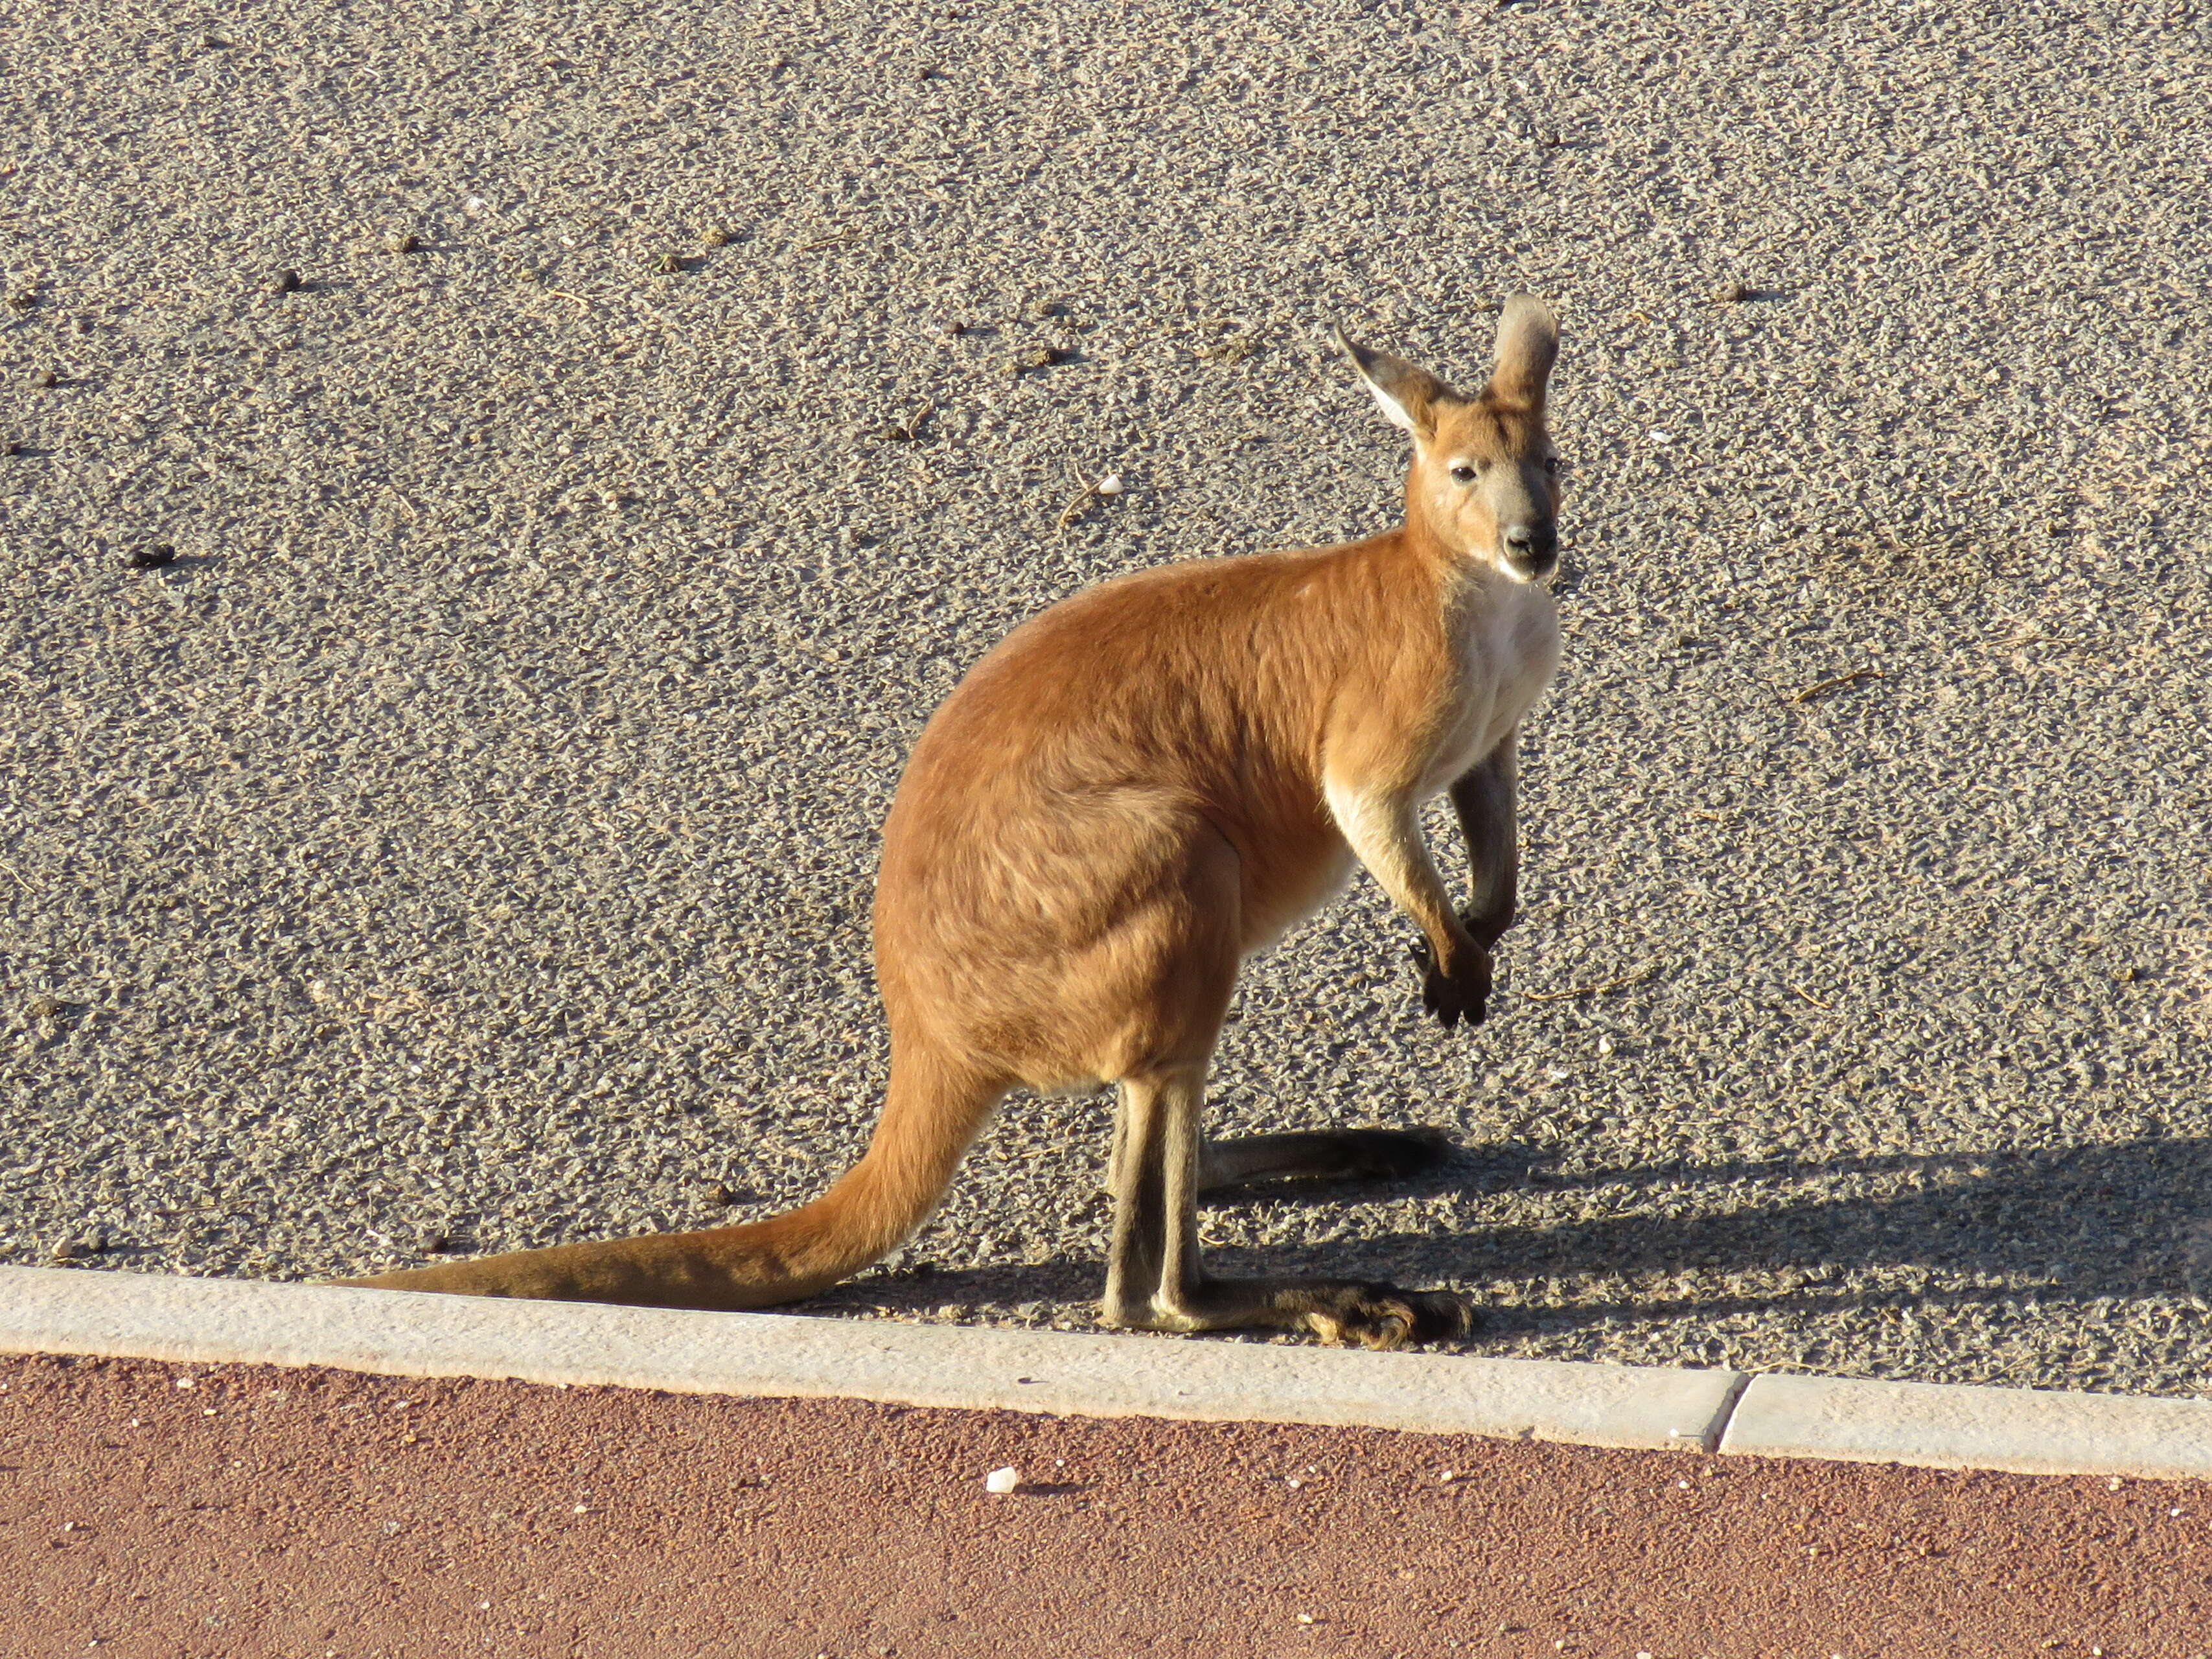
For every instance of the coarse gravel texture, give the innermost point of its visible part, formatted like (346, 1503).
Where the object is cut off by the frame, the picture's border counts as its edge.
(464, 842)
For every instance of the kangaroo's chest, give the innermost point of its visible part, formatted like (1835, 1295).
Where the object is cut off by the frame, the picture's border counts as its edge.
(1505, 644)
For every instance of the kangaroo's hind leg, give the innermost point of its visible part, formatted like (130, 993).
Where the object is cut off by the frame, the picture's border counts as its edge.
(1155, 1279)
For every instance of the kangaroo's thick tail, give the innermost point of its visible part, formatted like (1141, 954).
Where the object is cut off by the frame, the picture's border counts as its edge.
(929, 1118)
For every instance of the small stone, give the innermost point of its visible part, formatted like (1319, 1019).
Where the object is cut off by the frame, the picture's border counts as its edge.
(45, 1007)
(287, 281)
(9, 446)
(45, 377)
(23, 299)
(954, 329)
(716, 236)
(669, 265)
(434, 1241)
(77, 1248)
(1110, 484)
(1003, 1481)
(401, 242)
(1730, 294)
(153, 557)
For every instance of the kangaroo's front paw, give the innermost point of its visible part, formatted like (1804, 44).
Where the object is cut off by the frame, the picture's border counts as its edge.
(1384, 1316)
(1452, 996)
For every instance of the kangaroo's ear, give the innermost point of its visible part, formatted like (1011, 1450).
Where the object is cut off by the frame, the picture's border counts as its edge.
(1527, 346)
(1409, 395)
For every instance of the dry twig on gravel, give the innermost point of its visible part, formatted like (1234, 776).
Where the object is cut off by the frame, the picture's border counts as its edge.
(1837, 683)
(1106, 484)
(1620, 984)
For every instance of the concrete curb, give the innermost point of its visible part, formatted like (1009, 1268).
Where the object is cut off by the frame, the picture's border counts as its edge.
(1955, 1426)
(402, 1334)
(238, 1321)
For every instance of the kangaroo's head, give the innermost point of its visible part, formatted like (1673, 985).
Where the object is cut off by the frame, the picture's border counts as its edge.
(1484, 480)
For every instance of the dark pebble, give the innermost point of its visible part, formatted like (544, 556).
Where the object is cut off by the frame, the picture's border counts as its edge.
(153, 557)
(1037, 357)
(403, 242)
(45, 377)
(286, 282)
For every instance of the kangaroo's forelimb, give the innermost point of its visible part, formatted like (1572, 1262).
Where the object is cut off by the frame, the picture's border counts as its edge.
(1485, 798)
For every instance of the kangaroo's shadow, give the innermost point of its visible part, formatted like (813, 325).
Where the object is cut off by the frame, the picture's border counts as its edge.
(2127, 1219)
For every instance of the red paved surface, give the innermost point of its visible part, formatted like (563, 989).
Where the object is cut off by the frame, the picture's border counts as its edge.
(308, 1514)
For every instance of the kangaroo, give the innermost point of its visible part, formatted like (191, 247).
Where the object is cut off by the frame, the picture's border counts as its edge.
(1130, 794)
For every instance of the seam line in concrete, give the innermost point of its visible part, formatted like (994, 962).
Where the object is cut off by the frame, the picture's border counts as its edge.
(242, 1321)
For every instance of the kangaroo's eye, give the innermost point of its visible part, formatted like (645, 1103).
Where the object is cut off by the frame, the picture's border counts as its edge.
(1552, 463)
(1463, 474)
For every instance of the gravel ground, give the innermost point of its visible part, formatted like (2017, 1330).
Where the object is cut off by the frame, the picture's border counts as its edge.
(464, 841)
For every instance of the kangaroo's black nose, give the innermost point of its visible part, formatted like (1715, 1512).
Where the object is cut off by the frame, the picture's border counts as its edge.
(1532, 540)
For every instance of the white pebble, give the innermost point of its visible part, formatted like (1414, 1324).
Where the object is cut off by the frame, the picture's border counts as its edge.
(1003, 1481)
(1659, 437)
(1110, 484)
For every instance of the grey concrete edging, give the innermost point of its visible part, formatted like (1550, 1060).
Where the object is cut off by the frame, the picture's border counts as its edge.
(399, 1334)
(1950, 1426)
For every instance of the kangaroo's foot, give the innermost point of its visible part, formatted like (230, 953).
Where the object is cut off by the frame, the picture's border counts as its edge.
(1321, 1155)
(1337, 1311)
